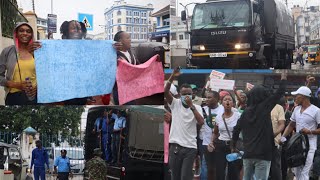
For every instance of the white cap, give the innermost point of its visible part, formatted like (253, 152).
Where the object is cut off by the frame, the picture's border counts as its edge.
(303, 90)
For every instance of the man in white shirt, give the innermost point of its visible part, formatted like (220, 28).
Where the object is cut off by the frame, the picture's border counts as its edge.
(212, 110)
(183, 132)
(306, 119)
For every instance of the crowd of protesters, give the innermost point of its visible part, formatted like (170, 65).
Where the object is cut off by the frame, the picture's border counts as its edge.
(256, 123)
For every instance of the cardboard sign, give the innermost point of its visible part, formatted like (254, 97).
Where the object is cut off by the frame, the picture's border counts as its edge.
(249, 86)
(216, 75)
(222, 84)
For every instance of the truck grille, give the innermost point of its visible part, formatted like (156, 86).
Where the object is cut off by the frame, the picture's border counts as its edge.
(219, 48)
(149, 155)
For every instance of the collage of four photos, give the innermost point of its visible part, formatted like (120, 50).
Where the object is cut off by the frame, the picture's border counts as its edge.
(160, 90)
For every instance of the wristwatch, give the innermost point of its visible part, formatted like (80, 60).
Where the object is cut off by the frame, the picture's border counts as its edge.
(192, 108)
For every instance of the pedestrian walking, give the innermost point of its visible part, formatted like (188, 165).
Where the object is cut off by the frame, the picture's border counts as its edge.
(300, 55)
(278, 124)
(63, 164)
(220, 141)
(211, 111)
(183, 132)
(38, 159)
(306, 119)
(96, 167)
(258, 137)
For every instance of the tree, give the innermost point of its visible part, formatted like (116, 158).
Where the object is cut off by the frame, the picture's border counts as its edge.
(10, 16)
(49, 120)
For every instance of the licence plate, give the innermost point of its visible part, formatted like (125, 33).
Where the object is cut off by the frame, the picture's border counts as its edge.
(213, 55)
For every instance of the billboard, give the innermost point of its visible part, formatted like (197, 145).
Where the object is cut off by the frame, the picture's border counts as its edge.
(52, 23)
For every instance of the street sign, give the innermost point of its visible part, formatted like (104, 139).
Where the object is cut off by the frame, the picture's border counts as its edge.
(87, 19)
(52, 23)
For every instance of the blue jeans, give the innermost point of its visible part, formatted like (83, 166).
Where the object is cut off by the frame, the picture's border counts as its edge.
(39, 172)
(204, 171)
(300, 58)
(259, 168)
(106, 146)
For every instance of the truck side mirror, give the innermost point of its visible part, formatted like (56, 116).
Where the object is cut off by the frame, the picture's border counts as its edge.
(183, 15)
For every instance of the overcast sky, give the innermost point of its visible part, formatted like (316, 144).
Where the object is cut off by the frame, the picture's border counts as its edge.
(291, 3)
(69, 9)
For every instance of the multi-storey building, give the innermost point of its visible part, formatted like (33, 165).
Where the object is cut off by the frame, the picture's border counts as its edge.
(134, 19)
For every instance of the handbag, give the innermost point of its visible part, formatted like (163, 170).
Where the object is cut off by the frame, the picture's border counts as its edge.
(239, 145)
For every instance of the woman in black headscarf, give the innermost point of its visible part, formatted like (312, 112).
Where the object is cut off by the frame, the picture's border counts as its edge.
(255, 124)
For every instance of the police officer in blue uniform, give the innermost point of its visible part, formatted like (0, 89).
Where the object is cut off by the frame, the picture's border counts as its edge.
(39, 159)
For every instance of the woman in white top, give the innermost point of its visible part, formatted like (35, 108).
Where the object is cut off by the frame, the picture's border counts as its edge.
(221, 138)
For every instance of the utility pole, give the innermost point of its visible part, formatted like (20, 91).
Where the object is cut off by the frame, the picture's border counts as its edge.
(33, 7)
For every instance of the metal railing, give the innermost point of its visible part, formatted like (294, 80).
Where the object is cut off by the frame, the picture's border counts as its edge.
(10, 16)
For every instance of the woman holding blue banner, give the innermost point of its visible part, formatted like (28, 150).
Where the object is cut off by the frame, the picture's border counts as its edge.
(17, 67)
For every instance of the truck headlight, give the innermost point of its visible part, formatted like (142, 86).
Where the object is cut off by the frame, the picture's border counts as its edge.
(198, 47)
(242, 46)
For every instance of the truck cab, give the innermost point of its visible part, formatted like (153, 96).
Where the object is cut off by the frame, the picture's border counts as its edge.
(141, 155)
(240, 34)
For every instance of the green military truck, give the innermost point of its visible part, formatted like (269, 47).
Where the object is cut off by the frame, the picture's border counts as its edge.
(142, 149)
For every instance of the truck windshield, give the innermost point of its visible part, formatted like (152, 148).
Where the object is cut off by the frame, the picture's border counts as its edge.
(312, 49)
(221, 14)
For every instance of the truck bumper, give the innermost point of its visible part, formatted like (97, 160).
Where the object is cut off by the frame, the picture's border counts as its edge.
(237, 59)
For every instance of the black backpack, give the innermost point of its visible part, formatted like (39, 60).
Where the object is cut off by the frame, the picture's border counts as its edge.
(297, 150)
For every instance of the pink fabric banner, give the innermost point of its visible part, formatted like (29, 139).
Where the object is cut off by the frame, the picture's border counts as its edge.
(166, 133)
(137, 81)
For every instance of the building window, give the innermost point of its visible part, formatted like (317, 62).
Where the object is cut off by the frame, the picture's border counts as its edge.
(181, 37)
(166, 20)
(186, 35)
(173, 36)
(119, 28)
(119, 20)
(127, 13)
(119, 13)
